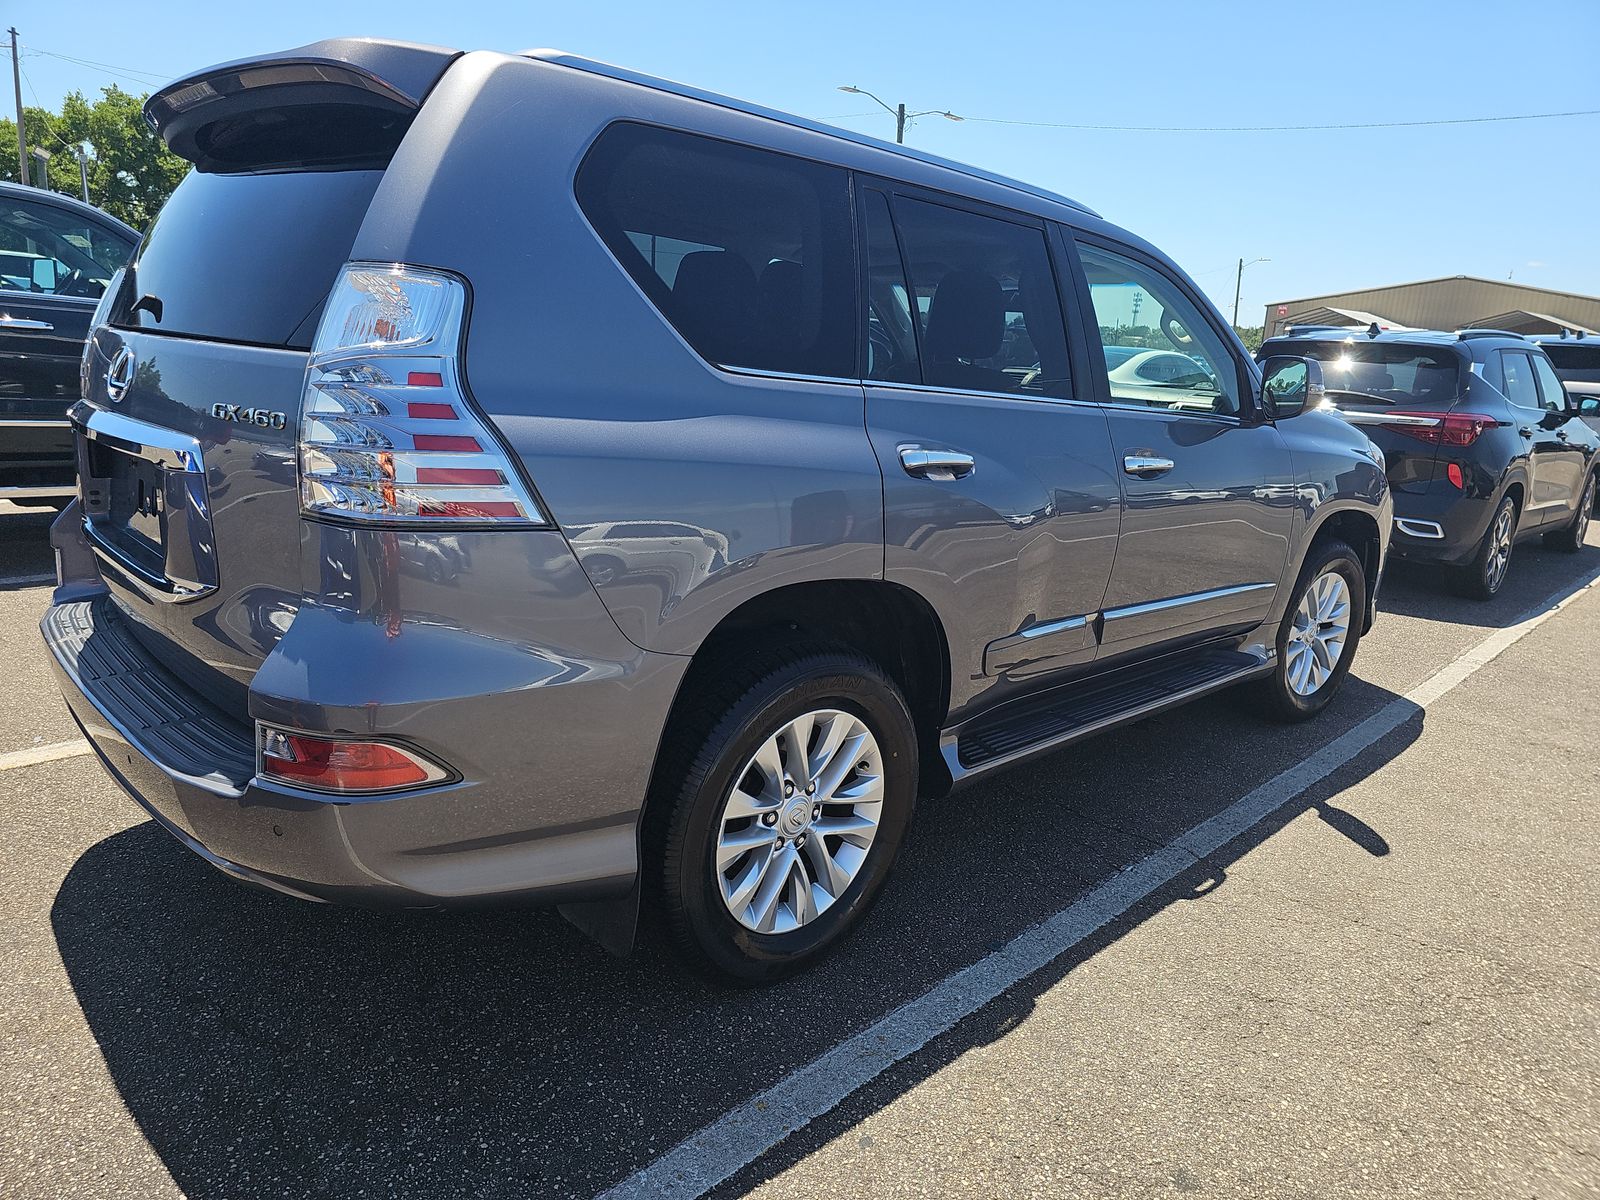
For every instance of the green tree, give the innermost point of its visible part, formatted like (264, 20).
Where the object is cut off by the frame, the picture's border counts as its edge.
(1250, 335)
(131, 173)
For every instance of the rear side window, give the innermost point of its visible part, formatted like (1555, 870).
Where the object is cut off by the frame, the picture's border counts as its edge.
(746, 252)
(246, 258)
(984, 300)
(1518, 372)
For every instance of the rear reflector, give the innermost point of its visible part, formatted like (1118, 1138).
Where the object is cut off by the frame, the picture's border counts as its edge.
(1453, 474)
(330, 765)
(1439, 428)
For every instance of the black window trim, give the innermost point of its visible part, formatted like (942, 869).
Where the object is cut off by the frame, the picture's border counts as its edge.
(1249, 402)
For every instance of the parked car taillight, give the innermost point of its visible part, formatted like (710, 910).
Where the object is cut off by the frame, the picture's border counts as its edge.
(386, 433)
(1445, 429)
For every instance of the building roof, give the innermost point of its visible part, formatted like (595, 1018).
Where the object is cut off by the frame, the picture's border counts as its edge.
(1452, 302)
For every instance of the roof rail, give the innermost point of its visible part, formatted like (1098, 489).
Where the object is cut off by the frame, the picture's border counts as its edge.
(1294, 329)
(611, 71)
(1466, 335)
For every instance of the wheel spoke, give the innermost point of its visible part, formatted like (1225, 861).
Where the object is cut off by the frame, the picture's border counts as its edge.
(830, 874)
(753, 837)
(764, 904)
(797, 745)
(739, 892)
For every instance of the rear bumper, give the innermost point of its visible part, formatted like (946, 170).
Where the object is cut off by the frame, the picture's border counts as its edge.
(1438, 527)
(191, 766)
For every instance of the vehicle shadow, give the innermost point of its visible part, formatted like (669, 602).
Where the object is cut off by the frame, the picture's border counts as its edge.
(270, 1047)
(1428, 592)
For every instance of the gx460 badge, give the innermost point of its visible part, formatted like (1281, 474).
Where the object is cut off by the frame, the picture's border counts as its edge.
(264, 417)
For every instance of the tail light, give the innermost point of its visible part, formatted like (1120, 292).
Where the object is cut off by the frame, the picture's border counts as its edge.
(386, 432)
(1457, 480)
(333, 765)
(1441, 429)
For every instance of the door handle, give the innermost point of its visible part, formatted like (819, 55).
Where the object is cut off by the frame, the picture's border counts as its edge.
(925, 463)
(1146, 466)
(1526, 432)
(10, 322)
(1561, 435)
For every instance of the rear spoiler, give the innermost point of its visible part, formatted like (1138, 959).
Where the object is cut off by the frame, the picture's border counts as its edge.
(346, 101)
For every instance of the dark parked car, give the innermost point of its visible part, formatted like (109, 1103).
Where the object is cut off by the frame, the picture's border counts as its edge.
(778, 473)
(1484, 447)
(1576, 359)
(56, 257)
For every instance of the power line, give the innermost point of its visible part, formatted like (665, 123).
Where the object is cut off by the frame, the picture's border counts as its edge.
(1588, 112)
(44, 113)
(129, 73)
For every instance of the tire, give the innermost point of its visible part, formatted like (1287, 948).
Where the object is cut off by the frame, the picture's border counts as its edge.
(1569, 540)
(1286, 694)
(718, 924)
(1483, 578)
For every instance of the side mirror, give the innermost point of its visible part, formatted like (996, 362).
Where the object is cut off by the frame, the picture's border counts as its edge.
(1290, 385)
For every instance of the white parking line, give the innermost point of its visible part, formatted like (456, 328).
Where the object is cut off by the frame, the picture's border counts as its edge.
(742, 1135)
(34, 755)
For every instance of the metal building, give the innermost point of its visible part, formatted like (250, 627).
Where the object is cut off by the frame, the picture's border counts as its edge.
(1455, 302)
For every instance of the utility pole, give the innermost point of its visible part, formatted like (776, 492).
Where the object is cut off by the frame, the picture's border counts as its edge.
(900, 126)
(22, 137)
(1238, 281)
(83, 171)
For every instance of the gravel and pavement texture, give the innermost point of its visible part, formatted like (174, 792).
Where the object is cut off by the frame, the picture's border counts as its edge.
(1391, 987)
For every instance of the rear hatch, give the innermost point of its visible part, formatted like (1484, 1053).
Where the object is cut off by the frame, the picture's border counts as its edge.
(194, 382)
(1397, 394)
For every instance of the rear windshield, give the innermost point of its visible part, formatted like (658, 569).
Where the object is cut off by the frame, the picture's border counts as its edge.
(1575, 363)
(1379, 374)
(246, 258)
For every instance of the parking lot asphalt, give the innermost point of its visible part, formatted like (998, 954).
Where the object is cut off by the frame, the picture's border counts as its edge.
(1388, 987)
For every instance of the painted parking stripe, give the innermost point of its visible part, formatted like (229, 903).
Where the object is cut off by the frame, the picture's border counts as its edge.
(742, 1135)
(34, 755)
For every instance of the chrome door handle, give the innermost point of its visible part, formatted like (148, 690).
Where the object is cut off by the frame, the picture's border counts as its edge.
(10, 322)
(1146, 465)
(935, 464)
(1525, 432)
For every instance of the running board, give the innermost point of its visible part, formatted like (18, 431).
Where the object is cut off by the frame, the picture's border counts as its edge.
(1070, 714)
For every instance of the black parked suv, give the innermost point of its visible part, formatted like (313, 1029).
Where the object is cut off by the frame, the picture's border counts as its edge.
(1484, 447)
(56, 257)
(1576, 359)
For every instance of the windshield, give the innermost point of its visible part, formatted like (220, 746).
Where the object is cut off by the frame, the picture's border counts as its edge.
(1384, 374)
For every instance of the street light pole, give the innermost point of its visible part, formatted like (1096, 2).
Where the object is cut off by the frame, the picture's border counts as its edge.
(83, 171)
(899, 113)
(1238, 282)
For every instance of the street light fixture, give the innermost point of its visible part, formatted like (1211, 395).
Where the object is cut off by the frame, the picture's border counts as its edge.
(899, 113)
(1238, 280)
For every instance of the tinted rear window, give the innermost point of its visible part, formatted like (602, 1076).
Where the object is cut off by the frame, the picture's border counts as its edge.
(246, 258)
(1381, 374)
(1575, 362)
(747, 252)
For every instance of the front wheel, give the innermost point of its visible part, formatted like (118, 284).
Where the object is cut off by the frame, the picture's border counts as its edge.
(790, 813)
(1319, 634)
(1570, 539)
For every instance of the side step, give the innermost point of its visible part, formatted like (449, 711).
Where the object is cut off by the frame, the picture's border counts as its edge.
(1071, 713)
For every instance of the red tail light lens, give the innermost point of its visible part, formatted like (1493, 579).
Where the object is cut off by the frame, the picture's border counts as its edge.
(330, 765)
(1442, 429)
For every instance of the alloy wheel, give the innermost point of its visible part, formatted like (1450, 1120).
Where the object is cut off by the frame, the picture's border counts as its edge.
(1321, 625)
(1494, 570)
(799, 822)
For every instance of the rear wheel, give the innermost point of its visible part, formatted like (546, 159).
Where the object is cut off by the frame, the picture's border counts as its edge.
(789, 814)
(1483, 577)
(1570, 539)
(1319, 634)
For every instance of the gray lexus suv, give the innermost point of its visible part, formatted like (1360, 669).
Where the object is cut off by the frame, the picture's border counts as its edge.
(506, 476)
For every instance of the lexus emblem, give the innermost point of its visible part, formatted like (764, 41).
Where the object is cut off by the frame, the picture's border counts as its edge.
(119, 375)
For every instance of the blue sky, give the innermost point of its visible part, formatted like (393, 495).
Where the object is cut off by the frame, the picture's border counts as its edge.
(1333, 209)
